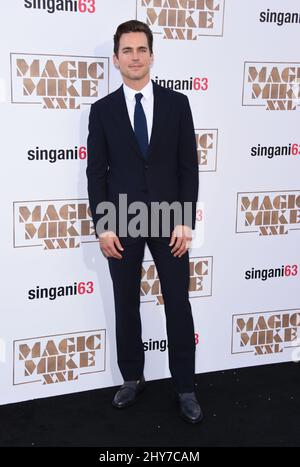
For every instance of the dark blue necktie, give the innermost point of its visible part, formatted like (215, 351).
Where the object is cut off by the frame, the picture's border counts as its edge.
(140, 124)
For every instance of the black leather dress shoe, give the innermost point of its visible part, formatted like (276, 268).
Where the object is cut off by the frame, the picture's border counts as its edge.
(189, 407)
(127, 393)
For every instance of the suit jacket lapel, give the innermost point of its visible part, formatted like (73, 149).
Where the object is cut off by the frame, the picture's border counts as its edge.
(120, 114)
(160, 112)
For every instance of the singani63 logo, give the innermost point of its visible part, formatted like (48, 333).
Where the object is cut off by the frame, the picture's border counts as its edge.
(53, 6)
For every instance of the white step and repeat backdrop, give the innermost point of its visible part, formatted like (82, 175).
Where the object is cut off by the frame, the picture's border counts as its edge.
(238, 62)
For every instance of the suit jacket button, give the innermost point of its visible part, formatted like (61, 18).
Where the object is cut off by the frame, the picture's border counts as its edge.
(146, 166)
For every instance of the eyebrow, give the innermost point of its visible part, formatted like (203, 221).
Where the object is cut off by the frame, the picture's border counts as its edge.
(130, 48)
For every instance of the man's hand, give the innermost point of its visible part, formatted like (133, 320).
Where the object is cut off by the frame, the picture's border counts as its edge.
(181, 239)
(108, 243)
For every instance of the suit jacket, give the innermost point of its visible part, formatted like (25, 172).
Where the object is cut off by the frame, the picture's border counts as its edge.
(116, 165)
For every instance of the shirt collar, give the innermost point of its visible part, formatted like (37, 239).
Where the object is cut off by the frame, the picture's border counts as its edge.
(147, 91)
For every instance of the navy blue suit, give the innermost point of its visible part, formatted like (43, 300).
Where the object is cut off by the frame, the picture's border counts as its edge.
(169, 173)
(116, 164)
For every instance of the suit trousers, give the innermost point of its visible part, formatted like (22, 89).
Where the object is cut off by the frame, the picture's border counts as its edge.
(174, 280)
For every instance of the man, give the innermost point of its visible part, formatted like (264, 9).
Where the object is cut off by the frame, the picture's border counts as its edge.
(141, 144)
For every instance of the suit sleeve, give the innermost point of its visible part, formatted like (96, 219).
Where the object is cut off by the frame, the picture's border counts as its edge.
(97, 164)
(188, 163)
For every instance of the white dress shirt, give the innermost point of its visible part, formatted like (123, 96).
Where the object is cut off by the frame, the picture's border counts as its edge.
(147, 103)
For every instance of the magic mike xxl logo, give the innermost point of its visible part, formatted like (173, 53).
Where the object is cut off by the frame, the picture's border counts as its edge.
(183, 19)
(200, 284)
(52, 224)
(57, 81)
(56, 359)
(276, 86)
(265, 333)
(269, 213)
(207, 142)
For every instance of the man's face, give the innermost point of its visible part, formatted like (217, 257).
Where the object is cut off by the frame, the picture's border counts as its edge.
(134, 58)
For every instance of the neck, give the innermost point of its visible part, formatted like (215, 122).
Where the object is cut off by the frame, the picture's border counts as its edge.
(137, 85)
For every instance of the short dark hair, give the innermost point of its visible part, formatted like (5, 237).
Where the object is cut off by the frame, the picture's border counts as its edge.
(132, 25)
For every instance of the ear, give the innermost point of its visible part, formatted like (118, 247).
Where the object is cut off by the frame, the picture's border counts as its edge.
(115, 60)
